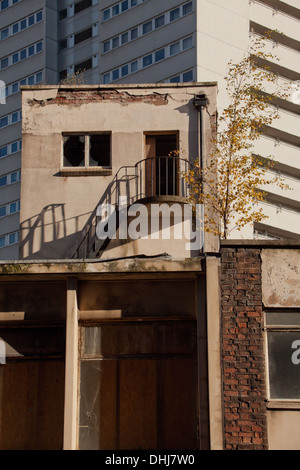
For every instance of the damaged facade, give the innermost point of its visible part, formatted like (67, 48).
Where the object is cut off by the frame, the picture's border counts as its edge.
(95, 146)
(140, 338)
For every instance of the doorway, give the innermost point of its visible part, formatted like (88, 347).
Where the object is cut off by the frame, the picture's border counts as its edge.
(161, 166)
(138, 385)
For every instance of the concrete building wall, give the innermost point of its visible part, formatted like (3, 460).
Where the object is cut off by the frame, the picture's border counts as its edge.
(54, 212)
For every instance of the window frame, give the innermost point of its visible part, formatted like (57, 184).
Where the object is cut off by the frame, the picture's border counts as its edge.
(279, 327)
(86, 167)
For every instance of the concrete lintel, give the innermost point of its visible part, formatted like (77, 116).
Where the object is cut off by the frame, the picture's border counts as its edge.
(160, 264)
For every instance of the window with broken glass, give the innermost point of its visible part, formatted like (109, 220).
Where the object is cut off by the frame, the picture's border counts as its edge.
(283, 342)
(87, 150)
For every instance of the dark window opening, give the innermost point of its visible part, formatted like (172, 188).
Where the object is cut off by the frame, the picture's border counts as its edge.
(62, 15)
(63, 44)
(63, 74)
(74, 150)
(87, 150)
(83, 35)
(99, 154)
(78, 7)
(86, 65)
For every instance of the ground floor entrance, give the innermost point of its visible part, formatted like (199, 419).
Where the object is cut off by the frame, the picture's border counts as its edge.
(138, 385)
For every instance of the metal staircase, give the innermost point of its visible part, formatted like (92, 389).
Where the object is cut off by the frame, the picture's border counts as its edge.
(152, 177)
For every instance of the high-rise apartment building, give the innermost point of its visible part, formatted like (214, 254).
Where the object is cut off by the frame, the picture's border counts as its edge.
(145, 41)
(194, 40)
(28, 44)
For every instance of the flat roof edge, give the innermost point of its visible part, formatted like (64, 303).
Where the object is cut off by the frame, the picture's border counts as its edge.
(159, 264)
(261, 243)
(121, 85)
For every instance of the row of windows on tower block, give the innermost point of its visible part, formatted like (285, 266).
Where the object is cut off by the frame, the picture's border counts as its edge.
(21, 25)
(149, 59)
(21, 55)
(10, 149)
(147, 27)
(9, 239)
(10, 208)
(119, 8)
(8, 3)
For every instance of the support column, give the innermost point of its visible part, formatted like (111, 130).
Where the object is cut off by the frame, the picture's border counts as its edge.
(214, 353)
(71, 367)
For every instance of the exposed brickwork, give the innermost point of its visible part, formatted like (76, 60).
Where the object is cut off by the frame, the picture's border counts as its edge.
(79, 97)
(244, 379)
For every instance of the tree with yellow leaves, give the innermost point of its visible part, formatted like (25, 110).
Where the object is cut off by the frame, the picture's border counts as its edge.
(233, 181)
(76, 78)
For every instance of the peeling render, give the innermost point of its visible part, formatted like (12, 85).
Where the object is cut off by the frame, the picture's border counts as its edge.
(79, 97)
(281, 278)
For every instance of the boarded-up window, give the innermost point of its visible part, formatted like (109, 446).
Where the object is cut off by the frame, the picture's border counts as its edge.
(138, 386)
(32, 388)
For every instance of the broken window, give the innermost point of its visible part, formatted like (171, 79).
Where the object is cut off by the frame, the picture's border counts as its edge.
(87, 150)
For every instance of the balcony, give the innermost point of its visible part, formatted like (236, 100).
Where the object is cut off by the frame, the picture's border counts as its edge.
(154, 179)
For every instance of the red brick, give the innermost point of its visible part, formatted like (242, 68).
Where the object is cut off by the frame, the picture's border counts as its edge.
(242, 346)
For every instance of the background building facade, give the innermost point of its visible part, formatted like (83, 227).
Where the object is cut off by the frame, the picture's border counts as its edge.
(145, 41)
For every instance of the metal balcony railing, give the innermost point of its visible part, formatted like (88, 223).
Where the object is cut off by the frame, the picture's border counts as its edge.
(148, 178)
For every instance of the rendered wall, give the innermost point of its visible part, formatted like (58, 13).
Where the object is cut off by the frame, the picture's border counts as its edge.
(56, 204)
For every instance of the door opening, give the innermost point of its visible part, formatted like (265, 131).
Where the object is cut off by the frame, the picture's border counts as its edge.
(161, 167)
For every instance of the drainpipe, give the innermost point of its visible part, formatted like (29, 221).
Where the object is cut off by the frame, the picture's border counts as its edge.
(200, 102)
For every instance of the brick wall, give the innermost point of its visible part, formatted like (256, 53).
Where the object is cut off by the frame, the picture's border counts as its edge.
(78, 97)
(244, 380)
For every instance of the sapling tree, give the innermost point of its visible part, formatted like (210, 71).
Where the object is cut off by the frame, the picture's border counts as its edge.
(234, 179)
(76, 78)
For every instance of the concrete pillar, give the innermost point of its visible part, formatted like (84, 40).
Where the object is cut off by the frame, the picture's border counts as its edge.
(214, 353)
(71, 367)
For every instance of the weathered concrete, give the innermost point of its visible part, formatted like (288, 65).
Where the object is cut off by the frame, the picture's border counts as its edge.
(281, 277)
